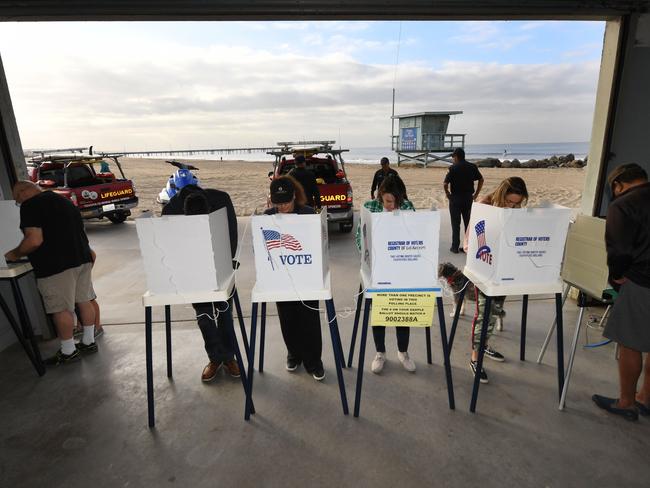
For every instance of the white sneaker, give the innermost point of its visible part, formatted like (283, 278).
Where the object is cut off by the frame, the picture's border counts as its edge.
(406, 361)
(378, 363)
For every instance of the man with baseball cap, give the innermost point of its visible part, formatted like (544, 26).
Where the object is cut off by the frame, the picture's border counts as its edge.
(384, 172)
(308, 181)
(459, 188)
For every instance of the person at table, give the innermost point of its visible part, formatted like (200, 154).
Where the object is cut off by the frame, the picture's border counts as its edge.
(57, 247)
(459, 189)
(389, 198)
(511, 193)
(214, 318)
(381, 174)
(627, 237)
(299, 320)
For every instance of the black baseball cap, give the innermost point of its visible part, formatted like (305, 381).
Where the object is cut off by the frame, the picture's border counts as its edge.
(282, 190)
(384, 160)
(460, 152)
(299, 159)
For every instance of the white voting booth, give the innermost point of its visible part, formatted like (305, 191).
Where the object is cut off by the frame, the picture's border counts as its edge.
(399, 249)
(516, 251)
(11, 234)
(187, 258)
(291, 257)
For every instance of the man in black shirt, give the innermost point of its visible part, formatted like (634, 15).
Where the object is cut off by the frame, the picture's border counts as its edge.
(382, 174)
(627, 236)
(461, 177)
(214, 319)
(308, 181)
(57, 247)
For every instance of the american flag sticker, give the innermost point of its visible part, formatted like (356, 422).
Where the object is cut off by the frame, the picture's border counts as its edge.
(480, 236)
(274, 240)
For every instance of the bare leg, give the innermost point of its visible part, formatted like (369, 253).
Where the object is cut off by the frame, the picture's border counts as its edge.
(87, 313)
(64, 323)
(629, 370)
(644, 394)
(98, 325)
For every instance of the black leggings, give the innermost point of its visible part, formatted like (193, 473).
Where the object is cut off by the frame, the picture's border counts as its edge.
(301, 332)
(379, 335)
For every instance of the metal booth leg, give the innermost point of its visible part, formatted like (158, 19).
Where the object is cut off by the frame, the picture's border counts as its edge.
(149, 360)
(481, 353)
(574, 345)
(445, 353)
(362, 354)
(242, 326)
(168, 337)
(260, 368)
(549, 334)
(339, 361)
(251, 363)
(560, 343)
(31, 348)
(357, 313)
(240, 363)
(427, 335)
(522, 339)
(461, 299)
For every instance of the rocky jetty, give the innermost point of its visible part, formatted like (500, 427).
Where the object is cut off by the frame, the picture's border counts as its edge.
(568, 161)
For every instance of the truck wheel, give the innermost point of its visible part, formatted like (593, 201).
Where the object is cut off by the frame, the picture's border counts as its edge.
(117, 218)
(345, 227)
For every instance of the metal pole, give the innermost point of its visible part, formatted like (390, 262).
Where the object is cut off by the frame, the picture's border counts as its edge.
(572, 355)
(549, 334)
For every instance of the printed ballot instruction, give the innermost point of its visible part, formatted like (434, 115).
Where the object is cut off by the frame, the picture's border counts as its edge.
(409, 309)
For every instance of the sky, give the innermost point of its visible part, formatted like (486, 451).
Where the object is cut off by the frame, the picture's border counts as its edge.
(173, 85)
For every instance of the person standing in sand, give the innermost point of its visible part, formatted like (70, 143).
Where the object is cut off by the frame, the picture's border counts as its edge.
(459, 188)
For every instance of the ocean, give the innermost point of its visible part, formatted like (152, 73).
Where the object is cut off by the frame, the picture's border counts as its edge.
(372, 155)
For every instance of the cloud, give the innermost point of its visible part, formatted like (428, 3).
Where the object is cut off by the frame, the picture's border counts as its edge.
(132, 92)
(490, 35)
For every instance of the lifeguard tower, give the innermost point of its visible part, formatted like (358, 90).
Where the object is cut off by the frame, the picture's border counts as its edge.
(422, 138)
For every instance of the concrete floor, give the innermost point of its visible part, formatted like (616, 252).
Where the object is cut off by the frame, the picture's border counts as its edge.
(86, 423)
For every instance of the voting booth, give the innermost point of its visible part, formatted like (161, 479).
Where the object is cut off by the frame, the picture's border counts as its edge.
(515, 251)
(292, 264)
(291, 257)
(399, 281)
(185, 254)
(187, 259)
(399, 249)
(11, 234)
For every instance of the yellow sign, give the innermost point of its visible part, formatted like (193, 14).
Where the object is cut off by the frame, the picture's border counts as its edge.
(117, 193)
(403, 309)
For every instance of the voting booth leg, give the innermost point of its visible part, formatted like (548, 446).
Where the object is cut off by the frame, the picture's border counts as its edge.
(522, 339)
(445, 353)
(332, 321)
(481, 353)
(168, 338)
(427, 334)
(260, 367)
(459, 305)
(339, 360)
(27, 326)
(251, 364)
(357, 314)
(362, 354)
(148, 354)
(240, 363)
(549, 334)
(32, 352)
(240, 318)
(560, 343)
(572, 354)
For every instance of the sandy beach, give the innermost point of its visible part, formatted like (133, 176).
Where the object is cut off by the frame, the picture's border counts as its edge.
(247, 182)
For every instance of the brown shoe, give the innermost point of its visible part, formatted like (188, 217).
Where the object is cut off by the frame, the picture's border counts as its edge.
(211, 370)
(233, 368)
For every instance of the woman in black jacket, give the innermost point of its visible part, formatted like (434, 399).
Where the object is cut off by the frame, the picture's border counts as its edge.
(299, 321)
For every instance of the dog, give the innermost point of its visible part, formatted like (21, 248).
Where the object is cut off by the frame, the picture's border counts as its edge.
(456, 281)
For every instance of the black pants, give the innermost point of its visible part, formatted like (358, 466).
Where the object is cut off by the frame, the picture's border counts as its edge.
(459, 207)
(403, 334)
(218, 336)
(301, 332)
